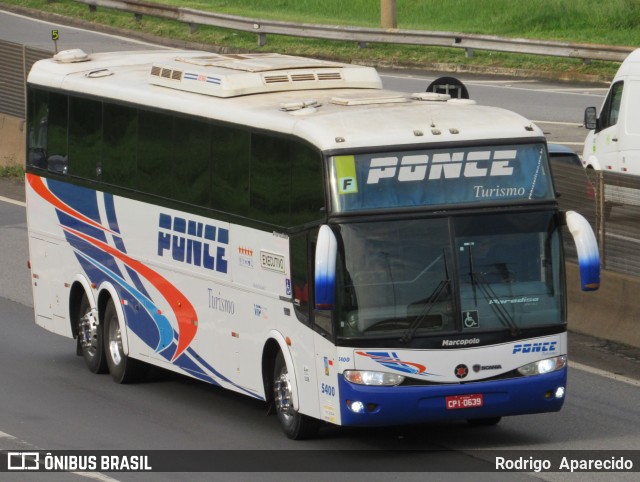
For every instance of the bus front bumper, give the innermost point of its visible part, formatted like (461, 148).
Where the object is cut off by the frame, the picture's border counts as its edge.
(362, 405)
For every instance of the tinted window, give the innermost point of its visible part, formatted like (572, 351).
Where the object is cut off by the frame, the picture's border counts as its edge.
(263, 176)
(57, 126)
(85, 137)
(155, 153)
(270, 179)
(231, 152)
(307, 186)
(119, 145)
(192, 162)
(611, 107)
(37, 115)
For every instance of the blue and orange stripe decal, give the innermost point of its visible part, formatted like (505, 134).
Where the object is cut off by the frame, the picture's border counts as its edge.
(183, 310)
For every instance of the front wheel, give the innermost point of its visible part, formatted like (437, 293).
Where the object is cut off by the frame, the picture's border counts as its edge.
(295, 425)
(123, 369)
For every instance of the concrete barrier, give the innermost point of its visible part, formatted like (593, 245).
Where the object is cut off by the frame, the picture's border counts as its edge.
(609, 313)
(12, 141)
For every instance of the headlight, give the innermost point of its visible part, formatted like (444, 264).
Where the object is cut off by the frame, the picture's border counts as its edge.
(541, 367)
(365, 377)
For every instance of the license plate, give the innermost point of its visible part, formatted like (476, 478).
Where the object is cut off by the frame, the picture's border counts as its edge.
(456, 402)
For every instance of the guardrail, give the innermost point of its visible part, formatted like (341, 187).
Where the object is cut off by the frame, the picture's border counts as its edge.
(362, 35)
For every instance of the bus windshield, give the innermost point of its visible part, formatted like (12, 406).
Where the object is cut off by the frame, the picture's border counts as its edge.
(465, 274)
(432, 177)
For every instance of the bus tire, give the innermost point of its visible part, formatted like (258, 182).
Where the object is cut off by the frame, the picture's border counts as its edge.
(295, 425)
(90, 335)
(484, 422)
(122, 368)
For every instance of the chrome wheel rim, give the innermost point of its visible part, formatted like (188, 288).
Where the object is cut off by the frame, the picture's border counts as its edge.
(282, 395)
(89, 330)
(115, 342)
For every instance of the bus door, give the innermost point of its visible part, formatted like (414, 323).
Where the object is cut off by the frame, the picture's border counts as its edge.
(318, 380)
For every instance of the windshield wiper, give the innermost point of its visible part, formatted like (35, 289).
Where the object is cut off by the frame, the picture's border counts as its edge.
(477, 279)
(431, 301)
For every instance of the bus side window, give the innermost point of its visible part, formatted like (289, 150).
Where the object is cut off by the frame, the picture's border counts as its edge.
(119, 145)
(57, 132)
(38, 113)
(192, 161)
(231, 168)
(307, 186)
(47, 138)
(299, 252)
(155, 152)
(85, 139)
(58, 128)
(270, 186)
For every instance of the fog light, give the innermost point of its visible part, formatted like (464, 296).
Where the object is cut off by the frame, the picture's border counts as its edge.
(355, 407)
(560, 392)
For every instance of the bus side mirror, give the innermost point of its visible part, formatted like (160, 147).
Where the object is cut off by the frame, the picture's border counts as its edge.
(587, 247)
(325, 277)
(590, 118)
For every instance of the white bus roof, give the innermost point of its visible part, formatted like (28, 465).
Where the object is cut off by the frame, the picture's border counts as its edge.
(331, 105)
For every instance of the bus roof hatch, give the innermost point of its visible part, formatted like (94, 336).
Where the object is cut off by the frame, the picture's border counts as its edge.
(235, 75)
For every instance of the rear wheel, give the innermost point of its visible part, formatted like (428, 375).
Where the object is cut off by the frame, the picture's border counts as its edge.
(122, 368)
(295, 425)
(90, 334)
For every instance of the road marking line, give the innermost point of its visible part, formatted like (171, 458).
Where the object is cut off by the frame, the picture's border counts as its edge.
(603, 373)
(13, 201)
(566, 143)
(505, 81)
(604, 90)
(81, 29)
(96, 476)
(88, 475)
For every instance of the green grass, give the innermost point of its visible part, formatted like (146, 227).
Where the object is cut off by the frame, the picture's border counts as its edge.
(593, 21)
(13, 171)
(613, 22)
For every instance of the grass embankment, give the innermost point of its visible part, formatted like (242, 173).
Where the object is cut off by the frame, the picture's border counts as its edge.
(12, 171)
(614, 22)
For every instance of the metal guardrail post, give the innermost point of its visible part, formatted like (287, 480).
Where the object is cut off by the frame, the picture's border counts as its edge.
(388, 14)
(601, 216)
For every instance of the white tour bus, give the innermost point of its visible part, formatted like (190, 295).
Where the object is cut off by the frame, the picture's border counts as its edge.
(284, 228)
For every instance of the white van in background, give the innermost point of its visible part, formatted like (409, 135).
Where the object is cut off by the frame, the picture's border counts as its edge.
(613, 144)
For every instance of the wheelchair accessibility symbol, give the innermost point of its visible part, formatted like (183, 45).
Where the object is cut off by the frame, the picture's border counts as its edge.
(471, 319)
